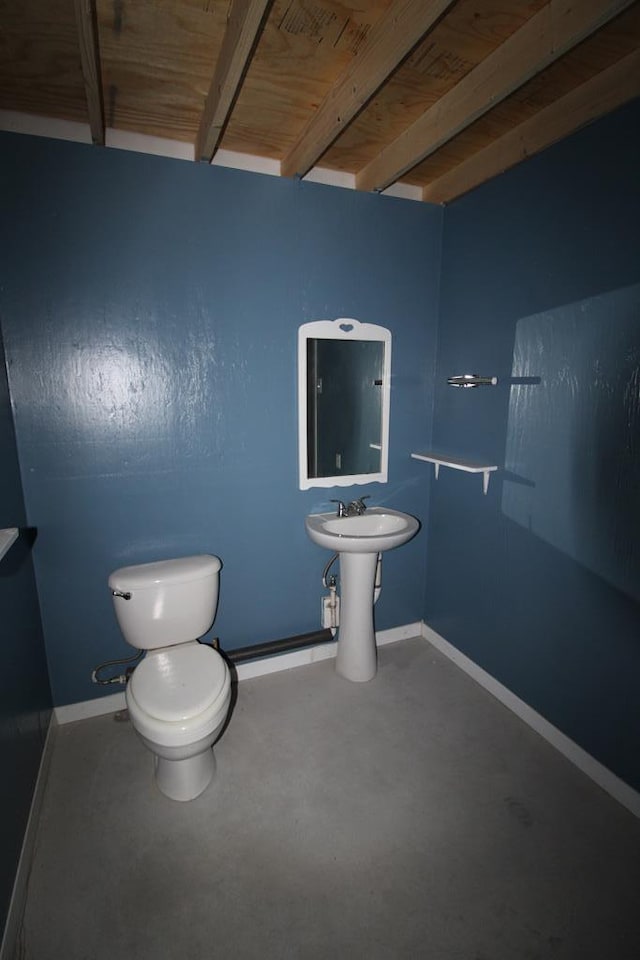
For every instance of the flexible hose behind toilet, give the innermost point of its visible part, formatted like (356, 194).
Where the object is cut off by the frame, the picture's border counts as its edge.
(121, 678)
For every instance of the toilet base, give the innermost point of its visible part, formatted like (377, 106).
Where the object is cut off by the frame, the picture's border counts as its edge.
(185, 779)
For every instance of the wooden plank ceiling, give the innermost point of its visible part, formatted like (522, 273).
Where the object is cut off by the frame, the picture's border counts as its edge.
(438, 94)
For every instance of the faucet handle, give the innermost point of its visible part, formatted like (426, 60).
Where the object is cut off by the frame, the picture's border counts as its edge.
(342, 508)
(356, 507)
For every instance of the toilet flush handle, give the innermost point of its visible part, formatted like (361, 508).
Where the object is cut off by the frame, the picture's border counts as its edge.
(119, 593)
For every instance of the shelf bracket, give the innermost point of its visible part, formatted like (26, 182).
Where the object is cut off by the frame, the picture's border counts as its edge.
(7, 536)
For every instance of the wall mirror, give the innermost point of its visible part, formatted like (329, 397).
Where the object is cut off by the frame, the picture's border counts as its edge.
(344, 380)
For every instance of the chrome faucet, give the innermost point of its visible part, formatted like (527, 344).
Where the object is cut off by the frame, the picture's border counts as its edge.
(357, 507)
(354, 509)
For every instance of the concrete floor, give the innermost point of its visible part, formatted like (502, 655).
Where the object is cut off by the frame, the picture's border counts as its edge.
(411, 817)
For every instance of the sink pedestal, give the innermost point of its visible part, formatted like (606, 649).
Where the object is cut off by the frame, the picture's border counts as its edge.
(358, 539)
(357, 657)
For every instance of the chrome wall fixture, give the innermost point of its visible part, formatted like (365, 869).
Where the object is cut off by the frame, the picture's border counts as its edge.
(472, 380)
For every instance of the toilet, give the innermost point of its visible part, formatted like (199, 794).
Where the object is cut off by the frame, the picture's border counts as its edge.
(178, 696)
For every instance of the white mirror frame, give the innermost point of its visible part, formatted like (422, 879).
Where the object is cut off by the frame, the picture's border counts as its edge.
(333, 330)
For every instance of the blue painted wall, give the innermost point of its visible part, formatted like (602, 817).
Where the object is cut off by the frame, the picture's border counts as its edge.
(150, 312)
(25, 698)
(539, 581)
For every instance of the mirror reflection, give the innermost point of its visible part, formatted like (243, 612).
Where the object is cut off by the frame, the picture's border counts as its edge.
(344, 403)
(343, 398)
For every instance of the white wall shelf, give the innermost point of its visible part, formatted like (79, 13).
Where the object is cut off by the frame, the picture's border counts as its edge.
(484, 468)
(7, 537)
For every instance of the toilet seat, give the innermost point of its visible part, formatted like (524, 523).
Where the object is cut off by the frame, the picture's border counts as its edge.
(185, 732)
(177, 684)
(181, 733)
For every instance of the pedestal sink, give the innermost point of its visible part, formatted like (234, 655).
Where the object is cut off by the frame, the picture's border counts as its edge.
(358, 540)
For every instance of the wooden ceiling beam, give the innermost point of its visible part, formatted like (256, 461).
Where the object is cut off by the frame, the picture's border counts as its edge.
(390, 41)
(593, 99)
(87, 25)
(553, 31)
(244, 26)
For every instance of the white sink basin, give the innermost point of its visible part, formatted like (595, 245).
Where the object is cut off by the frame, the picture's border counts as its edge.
(372, 532)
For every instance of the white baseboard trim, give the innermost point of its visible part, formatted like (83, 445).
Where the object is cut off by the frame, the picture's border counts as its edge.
(245, 671)
(90, 708)
(596, 771)
(278, 662)
(8, 948)
(323, 651)
(393, 634)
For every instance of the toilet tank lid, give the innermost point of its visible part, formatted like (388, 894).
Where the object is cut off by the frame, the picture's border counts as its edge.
(164, 571)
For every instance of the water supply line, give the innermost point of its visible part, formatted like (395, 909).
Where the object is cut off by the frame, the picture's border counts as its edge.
(120, 678)
(377, 584)
(326, 571)
(329, 583)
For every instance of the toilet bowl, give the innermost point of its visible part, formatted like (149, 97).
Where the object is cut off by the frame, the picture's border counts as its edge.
(178, 697)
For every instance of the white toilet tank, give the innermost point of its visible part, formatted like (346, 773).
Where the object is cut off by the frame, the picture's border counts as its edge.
(169, 601)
